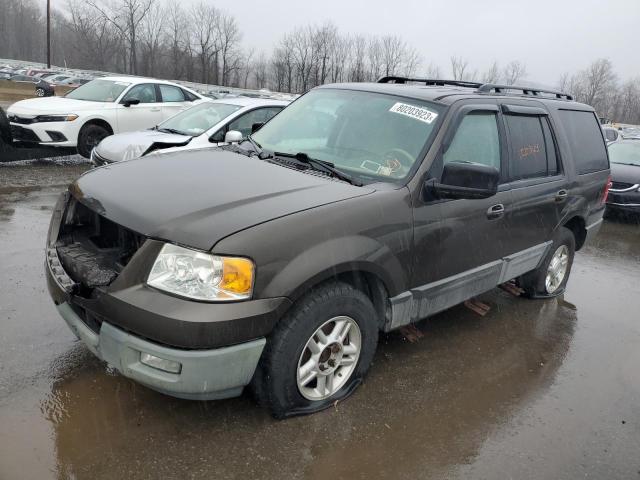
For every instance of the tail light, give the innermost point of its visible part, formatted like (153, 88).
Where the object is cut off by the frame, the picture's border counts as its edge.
(605, 192)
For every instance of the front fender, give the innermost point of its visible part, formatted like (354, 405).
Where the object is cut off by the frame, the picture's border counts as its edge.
(325, 260)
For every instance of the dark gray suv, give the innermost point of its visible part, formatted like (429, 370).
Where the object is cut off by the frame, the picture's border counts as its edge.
(359, 208)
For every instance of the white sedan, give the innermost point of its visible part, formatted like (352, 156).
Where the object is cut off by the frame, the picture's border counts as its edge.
(202, 126)
(100, 108)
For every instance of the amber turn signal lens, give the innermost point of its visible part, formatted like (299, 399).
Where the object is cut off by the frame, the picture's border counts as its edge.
(237, 275)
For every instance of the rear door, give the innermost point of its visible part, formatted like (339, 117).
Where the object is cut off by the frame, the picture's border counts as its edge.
(538, 185)
(146, 114)
(174, 100)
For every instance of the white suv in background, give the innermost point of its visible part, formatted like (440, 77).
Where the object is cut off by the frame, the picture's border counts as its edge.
(201, 126)
(96, 110)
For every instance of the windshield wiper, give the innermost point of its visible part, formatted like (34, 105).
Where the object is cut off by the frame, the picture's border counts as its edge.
(320, 166)
(172, 130)
(256, 146)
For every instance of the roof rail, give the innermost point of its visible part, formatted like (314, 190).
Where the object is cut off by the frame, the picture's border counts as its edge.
(488, 87)
(429, 81)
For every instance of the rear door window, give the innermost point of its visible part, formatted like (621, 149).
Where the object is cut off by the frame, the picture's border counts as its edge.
(171, 94)
(585, 139)
(533, 151)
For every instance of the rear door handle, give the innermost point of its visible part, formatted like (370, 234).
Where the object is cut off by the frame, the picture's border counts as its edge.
(561, 196)
(495, 211)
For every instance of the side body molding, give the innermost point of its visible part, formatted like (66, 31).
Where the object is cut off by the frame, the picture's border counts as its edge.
(425, 300)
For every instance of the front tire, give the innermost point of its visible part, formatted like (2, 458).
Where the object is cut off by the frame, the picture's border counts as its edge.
(89, 138)
(319, 351)
(550, 278)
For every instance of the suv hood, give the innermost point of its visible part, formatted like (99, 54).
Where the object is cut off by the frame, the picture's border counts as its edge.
(62, 105)
(197, 198)
(126, 146)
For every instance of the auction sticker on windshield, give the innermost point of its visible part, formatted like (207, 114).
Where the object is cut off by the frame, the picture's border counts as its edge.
(412, 111)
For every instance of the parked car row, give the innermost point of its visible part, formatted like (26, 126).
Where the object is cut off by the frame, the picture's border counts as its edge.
(112, 105)
(275, 262)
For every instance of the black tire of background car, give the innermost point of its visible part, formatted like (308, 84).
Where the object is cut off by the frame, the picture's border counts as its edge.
(533, 283)
(5, 128)
(274, 384)
(89, 136)
(40, 92)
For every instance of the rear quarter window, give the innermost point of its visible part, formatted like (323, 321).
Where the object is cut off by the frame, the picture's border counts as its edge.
(585, 139)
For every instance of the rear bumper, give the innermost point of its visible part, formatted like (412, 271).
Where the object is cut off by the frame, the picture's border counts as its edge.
(204, 374)
(624, 200)
(624, 207)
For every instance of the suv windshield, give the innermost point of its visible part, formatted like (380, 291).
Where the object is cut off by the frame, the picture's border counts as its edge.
(626, 153)
(368, 135)
(197, 120)
(99, 91)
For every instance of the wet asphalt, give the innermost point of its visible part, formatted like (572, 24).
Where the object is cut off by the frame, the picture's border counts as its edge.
(533, 390)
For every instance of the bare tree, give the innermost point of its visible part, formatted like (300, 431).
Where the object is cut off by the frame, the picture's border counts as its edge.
(177, 42)
(358, 59)
(513, 72)
(151, 35)
(229, 45)
(204, 27)
(126, 16)
(96, 41)
(433, 71)
(459, 68)
(492, 74)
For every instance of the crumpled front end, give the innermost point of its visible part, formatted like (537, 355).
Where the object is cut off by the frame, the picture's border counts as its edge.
(96, 273)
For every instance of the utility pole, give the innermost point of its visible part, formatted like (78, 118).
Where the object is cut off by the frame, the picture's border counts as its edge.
(48, 33)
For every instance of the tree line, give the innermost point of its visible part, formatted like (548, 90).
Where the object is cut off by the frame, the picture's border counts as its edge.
(203, 43)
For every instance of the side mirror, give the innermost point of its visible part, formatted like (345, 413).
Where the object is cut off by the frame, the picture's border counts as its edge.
(465, 180)
(233, 136)
(256, 126)
(130, 101)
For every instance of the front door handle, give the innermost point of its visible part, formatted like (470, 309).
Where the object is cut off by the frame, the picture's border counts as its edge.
(155, 109)
(495, 211)
(561, 196)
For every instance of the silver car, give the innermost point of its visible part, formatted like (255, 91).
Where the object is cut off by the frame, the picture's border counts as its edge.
(201, 126)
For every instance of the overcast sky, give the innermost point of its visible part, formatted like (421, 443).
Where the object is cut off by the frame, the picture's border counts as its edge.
(549, 36)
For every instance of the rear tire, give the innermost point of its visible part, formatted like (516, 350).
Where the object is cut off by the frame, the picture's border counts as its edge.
(312, 358)
(89, 137)
(40, 92)
(550, 278)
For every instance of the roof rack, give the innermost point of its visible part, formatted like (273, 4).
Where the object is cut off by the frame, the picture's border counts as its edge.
(480, 87)
(488, 87)
(430, 81)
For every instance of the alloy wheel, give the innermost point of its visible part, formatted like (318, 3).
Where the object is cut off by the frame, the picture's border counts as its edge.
(557, 269)
(329, 358)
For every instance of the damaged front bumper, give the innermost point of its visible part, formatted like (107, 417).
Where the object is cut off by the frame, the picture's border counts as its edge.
(214, 349)
(201, 374)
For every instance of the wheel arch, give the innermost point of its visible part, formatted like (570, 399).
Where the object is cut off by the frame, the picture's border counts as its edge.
(577, 225)
(97, 121)
(364, 277)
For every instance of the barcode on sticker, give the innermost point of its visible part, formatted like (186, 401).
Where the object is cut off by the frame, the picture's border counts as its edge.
(422, 114)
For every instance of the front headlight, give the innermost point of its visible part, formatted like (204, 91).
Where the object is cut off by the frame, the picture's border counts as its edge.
(56, 118)
(201, 276)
